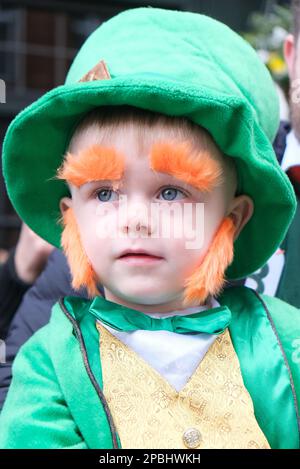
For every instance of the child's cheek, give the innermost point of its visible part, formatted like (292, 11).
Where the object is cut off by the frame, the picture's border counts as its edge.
(106, 221)
(186, 223)
(184, 254)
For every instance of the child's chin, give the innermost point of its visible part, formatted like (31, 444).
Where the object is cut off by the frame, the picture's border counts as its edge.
(143, 296)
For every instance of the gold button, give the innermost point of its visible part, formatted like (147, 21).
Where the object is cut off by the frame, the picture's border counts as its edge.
(192, 438)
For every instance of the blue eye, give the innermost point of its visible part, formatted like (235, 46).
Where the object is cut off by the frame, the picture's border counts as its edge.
(170, 193)
(105, 195)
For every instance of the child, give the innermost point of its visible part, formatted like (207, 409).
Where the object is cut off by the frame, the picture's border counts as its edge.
(165, 123)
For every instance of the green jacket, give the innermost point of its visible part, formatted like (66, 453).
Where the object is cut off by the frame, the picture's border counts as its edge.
(55, 399)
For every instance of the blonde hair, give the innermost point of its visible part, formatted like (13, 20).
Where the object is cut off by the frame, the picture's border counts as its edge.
(110, 119)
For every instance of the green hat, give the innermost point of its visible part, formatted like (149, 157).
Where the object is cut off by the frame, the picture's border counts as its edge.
(178, 64)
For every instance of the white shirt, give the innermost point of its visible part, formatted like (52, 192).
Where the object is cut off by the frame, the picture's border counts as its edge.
(175, 356)
(291, 155)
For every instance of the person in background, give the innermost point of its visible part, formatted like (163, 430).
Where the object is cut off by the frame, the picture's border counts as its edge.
(280, 277)
(24, 264)
(28, 306)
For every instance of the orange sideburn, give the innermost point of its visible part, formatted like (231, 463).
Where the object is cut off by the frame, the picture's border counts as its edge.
(82, 272)
(208, 278)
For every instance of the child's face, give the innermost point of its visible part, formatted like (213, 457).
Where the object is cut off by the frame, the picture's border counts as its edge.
(112, 221)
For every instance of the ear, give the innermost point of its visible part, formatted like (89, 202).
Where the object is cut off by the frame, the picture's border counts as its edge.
(240, 211)
(289, 49)
(64, 204)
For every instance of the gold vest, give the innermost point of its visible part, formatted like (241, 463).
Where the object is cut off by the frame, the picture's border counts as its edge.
(212, 410)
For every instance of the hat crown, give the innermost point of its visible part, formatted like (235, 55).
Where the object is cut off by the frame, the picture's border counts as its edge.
(184, 47)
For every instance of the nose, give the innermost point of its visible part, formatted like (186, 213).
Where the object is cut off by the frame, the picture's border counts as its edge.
(136, 219)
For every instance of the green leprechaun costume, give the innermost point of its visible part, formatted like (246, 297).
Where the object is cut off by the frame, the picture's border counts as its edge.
(78, 383)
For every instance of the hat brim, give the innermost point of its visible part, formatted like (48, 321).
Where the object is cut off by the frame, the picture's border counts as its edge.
(37, 139)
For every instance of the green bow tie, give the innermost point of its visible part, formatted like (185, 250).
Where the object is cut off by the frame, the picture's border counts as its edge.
(121, 318)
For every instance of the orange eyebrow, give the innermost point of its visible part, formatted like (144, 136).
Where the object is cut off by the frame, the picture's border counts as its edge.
(92, 164)
(200, 171)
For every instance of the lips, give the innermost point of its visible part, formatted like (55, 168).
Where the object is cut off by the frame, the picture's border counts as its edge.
(139, 253)
(140, 260)
(139, 256)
